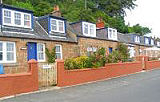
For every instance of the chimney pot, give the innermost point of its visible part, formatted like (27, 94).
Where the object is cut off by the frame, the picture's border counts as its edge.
(56, 11)
(100, 23)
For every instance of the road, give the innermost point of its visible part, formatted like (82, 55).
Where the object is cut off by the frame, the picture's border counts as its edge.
(141, 87)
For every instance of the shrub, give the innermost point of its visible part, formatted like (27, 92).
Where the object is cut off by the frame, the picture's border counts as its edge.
(121, 54)
(114, 57)
(51, 55)
(77, 63)
(96, 59)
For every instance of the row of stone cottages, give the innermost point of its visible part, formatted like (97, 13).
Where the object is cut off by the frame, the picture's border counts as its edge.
(24, 36)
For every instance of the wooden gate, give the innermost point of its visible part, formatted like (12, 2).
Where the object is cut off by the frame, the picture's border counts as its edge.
(47, 75)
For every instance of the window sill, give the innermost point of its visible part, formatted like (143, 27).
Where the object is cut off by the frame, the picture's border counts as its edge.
(10, 64)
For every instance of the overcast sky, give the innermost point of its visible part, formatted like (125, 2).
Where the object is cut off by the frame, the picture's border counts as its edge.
(147, 13)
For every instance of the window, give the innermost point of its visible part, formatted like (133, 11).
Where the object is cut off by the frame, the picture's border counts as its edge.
(112, 34)
(58, 51)
(152, 42)
(17, 18)
(89, 29)
(54, 25)
(158, 43)
(40, 52)
(57, 25)
(86, 28)
(7, 16)
(7, 52)
(27, 20)
(61, 26)
(146, 41)
(137, 39)
(10, 51)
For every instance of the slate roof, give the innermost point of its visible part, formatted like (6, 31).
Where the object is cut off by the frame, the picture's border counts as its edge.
(37, 33)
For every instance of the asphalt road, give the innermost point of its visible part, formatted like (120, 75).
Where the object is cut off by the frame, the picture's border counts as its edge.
(141, 87)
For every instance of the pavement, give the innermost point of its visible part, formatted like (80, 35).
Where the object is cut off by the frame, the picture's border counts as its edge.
(140, 87)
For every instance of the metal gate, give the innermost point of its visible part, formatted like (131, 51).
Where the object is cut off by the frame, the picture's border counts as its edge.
(47, 75)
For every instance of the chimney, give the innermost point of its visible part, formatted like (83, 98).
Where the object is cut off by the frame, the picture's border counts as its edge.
(100, 23)
(56, 11)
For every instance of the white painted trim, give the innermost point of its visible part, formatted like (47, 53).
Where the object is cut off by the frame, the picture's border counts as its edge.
(13, 18)
(5, 52)
(60, 50)
(18, 33)
(137, 39)
(57, 25)
(113, 35)
(43, 52)
(57, 37)
(89, 27)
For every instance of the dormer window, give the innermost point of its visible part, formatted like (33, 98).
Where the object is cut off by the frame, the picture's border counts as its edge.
(27, 20)
(57, 26)
(112, 34)
(137, 39)
(89, 29)
(152, 42)
(146, 41)
(158, 43)
(7, 16)
(16, 18)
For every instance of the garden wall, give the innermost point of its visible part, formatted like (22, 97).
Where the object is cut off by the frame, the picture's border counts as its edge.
(11, 84)
(73, 77)
(149, 65)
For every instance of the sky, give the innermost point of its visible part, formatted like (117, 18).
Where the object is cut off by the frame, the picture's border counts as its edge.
(147, 13)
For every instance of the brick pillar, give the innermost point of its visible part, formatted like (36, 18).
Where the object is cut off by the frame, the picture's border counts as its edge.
(33, 68)
(143, 60)
(60, 72)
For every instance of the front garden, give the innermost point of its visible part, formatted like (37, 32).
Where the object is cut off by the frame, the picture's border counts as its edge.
(98, 59)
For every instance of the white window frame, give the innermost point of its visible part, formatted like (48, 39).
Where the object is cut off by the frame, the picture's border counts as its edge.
(27, 20)
(18, 18)
(44, 54)
(89, 29)
(152, 42)
(60, 50)
(158, 43)
(146, 41)
(137, 39)
(113, 34)
(5, 52)
(7, 16)
(57, 25)
(13, 18)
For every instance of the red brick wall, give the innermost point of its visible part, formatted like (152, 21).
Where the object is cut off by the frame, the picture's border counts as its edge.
(152, 65)
(73, 77)
(12, 84)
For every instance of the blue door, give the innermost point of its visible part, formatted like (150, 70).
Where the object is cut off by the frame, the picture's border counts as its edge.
(32, 51)
(1, 69)
(110, 49)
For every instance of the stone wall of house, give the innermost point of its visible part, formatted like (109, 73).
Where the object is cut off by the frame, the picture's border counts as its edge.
(84, 43)
(21, 65)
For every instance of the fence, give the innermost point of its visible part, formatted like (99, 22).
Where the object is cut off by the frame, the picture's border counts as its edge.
(12, 84)
(73, 77)
(47, 75)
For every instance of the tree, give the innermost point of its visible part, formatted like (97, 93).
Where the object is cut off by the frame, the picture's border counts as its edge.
(26, 5)
(43, 8)
(139, 29)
